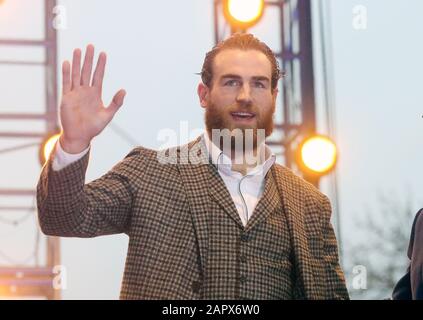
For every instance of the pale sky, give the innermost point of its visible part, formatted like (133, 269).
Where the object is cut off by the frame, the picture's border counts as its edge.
(156, 47)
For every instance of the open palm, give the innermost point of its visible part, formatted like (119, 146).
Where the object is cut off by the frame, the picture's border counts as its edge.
(82, 113)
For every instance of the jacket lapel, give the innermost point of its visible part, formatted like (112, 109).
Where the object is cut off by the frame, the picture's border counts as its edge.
(219, 192)
(295, 210)
(195, 178)
(202, 182)
(267, 204)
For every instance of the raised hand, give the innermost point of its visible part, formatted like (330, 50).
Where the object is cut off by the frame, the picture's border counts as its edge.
(82, 112)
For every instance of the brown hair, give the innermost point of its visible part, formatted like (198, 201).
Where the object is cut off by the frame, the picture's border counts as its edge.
(243, 41)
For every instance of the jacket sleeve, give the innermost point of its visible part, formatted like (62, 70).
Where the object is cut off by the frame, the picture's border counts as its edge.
(335, 280)
(402, 290)
(67, 207)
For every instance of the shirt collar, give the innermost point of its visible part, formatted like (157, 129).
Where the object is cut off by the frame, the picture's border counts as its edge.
(224, 163)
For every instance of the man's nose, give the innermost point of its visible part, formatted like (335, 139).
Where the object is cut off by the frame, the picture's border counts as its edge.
(244, 95)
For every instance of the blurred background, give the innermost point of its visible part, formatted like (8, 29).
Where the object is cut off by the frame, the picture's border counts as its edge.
(353, 76)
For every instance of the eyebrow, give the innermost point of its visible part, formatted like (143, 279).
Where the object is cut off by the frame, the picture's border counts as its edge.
(235, 76)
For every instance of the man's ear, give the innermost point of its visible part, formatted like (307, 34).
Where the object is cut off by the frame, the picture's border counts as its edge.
(203, 94)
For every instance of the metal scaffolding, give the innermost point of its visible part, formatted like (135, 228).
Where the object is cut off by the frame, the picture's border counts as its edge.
(23, 281)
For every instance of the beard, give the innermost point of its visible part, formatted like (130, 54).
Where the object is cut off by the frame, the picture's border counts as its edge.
(252, 135)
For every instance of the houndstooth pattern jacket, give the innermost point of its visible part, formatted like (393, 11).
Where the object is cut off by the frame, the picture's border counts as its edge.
(163, 208)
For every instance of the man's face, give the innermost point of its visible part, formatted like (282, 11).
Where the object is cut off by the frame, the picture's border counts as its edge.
(240, 96)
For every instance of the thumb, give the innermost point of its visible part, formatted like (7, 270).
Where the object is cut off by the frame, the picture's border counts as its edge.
(117, 102)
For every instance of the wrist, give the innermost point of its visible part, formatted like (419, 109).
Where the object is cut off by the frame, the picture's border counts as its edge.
(73, 146)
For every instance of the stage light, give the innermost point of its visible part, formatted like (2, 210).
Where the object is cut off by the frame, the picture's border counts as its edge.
(243, 14)
(47, 147)
(317, 155)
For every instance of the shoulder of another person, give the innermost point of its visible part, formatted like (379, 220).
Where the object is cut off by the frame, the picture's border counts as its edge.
(418, 220)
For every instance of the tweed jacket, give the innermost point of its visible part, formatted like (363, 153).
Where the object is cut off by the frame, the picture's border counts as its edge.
(162, 200)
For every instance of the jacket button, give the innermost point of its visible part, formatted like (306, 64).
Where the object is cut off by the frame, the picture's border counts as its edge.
(196, 286)
(243, 259)
(245, 238)
(242, 279)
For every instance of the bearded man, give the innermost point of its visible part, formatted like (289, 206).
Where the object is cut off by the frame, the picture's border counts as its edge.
(217, 218)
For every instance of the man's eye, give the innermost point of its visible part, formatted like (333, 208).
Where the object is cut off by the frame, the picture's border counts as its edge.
(232, 83)
(260, 85)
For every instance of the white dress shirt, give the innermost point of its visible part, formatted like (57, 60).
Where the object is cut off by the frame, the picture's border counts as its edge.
(245, 191)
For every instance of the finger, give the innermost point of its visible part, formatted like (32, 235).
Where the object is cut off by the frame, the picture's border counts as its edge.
(66, 77)
(99, 71)
(117, 102)
(88, 66)
(76, 69)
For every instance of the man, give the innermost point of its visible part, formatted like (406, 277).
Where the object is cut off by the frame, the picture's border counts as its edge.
(204, 222)
(410, 287)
